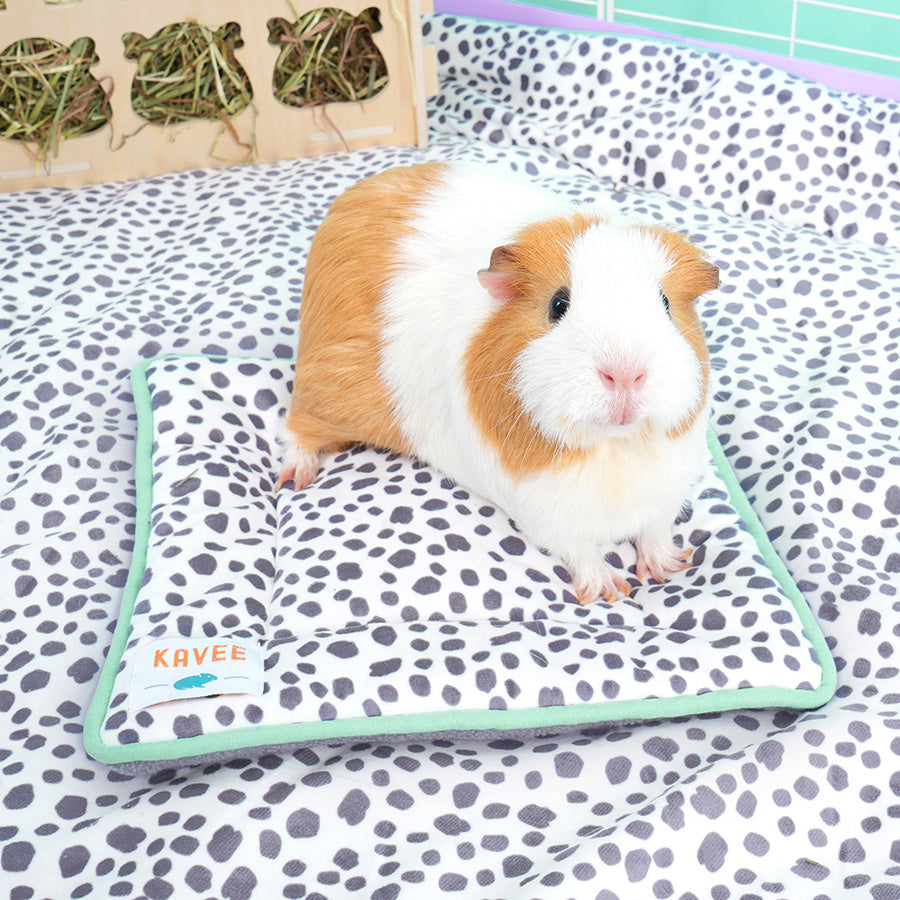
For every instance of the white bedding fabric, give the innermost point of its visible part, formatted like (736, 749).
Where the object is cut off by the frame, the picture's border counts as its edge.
(385, 600)
(792, 190)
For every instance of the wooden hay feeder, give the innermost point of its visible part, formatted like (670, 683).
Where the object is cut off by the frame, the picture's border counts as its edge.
(106, 90)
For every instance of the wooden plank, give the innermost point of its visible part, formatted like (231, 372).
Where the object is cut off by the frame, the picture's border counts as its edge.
(129, 147)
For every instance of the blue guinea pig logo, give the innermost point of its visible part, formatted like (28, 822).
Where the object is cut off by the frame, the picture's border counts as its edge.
(194, 681)
(176, 669)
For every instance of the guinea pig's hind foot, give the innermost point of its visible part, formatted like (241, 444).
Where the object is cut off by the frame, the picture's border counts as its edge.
(659, 559)
(299, 466)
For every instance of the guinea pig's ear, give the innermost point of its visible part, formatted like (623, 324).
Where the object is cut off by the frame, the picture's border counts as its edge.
(705, 275)
(499, 279)
(691, 274)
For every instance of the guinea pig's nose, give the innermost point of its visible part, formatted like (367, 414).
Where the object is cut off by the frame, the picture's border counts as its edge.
(624, 384)
(622, 379)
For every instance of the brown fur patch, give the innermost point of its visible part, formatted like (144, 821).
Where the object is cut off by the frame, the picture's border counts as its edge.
(338, 396)
(537, 265)
(690, 276)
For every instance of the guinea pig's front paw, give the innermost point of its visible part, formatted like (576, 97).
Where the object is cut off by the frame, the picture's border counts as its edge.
(659, 559)
(299, 466)
(598, 581)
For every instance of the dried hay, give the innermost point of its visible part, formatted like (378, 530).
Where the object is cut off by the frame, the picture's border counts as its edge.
(327, 56)
(47, 93)
(185, 71)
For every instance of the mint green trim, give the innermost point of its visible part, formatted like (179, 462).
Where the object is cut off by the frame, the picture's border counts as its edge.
(470, 722)
(548, 719)
(143, 480)
(777, 567)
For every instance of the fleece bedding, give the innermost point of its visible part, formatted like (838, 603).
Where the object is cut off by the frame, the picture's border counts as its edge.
(792, 190)
(383, 600)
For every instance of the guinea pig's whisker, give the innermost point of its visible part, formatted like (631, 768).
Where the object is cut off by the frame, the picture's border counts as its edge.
(536, 435)
(510, 415)
(512, 428)
(489, 377)
(561, 444)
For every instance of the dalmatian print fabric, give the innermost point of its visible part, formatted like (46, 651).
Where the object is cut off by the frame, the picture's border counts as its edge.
(732, 134)
(742, 804)
(385, 592)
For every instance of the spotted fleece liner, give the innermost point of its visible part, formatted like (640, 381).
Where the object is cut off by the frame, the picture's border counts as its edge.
(388, 601)
(801, 216)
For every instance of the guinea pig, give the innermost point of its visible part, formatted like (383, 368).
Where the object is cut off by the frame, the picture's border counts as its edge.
(545, 356)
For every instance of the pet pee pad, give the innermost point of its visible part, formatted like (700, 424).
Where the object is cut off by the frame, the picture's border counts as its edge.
(385, 601)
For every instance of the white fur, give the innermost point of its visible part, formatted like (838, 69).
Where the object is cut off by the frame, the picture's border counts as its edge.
(629, 486)
(436, 306)
(616, 323)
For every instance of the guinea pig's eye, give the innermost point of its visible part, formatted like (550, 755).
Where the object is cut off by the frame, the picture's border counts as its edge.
(665, 300)
(559, 305)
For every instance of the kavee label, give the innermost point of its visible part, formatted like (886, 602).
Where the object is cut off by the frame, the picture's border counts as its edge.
(178, 668)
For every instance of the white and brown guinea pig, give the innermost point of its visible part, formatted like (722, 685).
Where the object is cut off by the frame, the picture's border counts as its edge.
(544, 356)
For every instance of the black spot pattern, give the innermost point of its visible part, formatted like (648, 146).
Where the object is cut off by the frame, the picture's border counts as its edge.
(804, 336)
(734, 135)
(331, 580)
